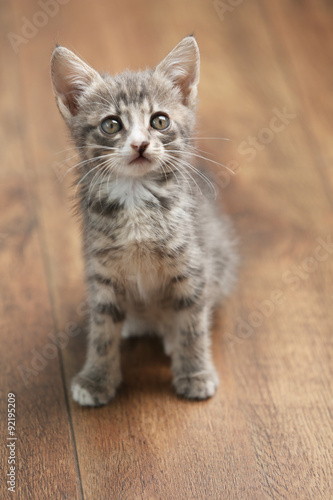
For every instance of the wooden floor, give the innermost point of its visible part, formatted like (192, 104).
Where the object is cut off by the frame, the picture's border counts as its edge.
(266, 84)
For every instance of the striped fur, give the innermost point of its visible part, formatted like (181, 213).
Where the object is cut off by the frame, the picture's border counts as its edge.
(159, 255)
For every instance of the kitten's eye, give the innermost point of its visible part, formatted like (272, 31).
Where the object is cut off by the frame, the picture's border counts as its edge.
(160, 121)
(111, 125)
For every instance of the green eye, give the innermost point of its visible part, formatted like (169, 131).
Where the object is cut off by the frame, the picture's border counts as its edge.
(111, 125)
(160, 121)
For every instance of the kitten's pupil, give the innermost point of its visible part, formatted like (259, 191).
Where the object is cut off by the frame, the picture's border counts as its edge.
(160, 122)
(111, 126)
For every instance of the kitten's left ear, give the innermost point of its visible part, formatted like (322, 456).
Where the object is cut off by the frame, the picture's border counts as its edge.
(71, 77)
(182, 67)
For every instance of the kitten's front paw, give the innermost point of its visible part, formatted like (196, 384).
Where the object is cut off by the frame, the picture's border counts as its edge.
(88, 389)
(201, 385)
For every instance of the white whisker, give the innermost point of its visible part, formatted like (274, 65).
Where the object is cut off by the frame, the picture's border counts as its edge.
(183, 173)
(203, 158)
(82, 179)
(211, 138)
(82, 163)
(200, 174)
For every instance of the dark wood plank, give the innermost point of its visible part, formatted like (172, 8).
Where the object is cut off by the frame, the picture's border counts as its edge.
(44, 452)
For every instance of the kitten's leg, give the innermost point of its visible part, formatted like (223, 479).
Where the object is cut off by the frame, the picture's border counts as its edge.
(97, 382)
(194, 373)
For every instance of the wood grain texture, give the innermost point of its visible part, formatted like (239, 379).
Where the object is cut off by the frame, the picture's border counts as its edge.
(46, 464)
(266, 84)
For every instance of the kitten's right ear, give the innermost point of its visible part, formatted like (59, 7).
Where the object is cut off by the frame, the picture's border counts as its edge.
(70, 78)
(182, 67)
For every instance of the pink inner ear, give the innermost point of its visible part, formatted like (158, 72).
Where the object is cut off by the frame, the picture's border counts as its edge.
(185, 76)
(70, 77)
(70, 100)
(66, 88)
(186, 81)
(181, 66)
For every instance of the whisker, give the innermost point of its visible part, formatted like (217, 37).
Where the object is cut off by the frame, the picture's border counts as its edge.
(187, 173)
(211, 138)
(82, 179)
(107, 161)
(204, 158)
(183, 174)
(170, 162)
(110, 174)
(160, 163)
(201, 150)
(108, 167)
(92, 184)
(200, 174)
(83, 163)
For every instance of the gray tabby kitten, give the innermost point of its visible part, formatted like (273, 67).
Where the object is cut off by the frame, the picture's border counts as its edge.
(158, 254)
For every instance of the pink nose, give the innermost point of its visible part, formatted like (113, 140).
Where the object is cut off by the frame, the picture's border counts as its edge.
(140, 148)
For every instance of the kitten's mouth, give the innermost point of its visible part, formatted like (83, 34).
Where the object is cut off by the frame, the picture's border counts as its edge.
(139, 160)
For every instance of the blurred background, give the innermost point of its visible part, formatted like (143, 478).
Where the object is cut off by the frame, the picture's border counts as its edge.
(266, 86)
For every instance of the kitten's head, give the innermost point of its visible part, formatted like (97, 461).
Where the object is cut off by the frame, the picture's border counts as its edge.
(135, 122)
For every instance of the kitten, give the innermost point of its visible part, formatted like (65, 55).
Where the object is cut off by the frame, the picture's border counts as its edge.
(158, 255)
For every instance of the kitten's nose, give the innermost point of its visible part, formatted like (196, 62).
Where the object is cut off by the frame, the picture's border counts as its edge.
(140, 148)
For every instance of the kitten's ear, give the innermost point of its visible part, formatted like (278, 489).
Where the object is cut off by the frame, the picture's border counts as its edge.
(182, 67)
(70, 78)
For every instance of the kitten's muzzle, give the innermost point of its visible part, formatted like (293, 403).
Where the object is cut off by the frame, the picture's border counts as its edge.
(140, 149)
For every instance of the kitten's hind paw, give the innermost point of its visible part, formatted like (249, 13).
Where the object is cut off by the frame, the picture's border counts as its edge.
(201, 385)
(91, 390)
